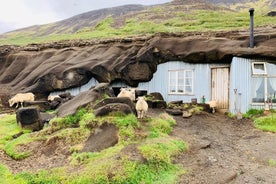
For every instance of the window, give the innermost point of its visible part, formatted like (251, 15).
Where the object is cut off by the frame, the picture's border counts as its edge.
(259, 68)
(181, 82)
(263, 86)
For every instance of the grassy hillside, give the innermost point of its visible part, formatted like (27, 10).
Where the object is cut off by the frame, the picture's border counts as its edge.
(143, 154)
(178, 16)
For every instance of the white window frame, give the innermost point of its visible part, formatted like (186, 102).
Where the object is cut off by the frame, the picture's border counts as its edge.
(264, 76)
(254, 72)
(184, 85)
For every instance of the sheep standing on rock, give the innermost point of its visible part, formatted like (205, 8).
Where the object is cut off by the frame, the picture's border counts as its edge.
(130, 93)
(141, 107)
(20, 98)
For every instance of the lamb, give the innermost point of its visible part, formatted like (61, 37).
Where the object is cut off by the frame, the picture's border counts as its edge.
(52, 97)
(20, 98)
(125, 92)
(141, 107)
(213, 105)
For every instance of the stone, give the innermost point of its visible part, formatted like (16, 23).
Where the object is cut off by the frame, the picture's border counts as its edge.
(112, 100)
(103, 137)
(174, 112)
(84, 98)
(29, 118)
(113, 107)
(186, 114)
(156, 96)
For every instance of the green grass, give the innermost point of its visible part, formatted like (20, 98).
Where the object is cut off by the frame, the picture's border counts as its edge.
(266, 123)
(8, 128)
(161, 125)
(253, 113)
(11, 148)
(111, 165)
(200, 20)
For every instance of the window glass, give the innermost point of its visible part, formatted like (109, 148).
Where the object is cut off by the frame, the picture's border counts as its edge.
(181, 82)
(271, 89)
(258, 68)
(258, 90)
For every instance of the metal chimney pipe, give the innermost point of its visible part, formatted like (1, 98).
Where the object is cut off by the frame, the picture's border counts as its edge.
(251, 11)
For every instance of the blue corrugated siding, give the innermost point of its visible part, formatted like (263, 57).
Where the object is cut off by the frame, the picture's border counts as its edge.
(160, 80)
(75, 91)
(240, 79)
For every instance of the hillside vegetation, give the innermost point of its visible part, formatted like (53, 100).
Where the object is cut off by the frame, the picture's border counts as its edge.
(143, 154)
(177, 16)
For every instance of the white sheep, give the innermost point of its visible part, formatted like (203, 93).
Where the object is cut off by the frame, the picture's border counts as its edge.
(127, 92)
(20, 98)
(52, 97)
(141, 107)
(213, 105)
(132, 93)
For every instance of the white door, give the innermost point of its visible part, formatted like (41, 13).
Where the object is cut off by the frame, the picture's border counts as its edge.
(220, 87)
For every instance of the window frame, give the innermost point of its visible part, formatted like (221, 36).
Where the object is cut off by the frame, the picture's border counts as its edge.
(254, 73)
(177, 86)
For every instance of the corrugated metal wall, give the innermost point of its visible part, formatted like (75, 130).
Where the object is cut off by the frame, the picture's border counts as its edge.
(160, 80)
(240, 79)
(75, 91)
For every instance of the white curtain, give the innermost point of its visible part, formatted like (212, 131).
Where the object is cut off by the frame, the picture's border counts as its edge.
(256, 84)
(272, 82)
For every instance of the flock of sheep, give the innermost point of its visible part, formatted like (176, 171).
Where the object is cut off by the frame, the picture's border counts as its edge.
(141, 104)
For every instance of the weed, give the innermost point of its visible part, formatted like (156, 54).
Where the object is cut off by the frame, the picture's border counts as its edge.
(272, 162)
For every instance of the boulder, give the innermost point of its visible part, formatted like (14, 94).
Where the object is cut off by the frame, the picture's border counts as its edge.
(112, 100)
(45, 117)
(155, 96)
(29, 118)
(271, 13)
(113, 107)
(186, 114)
(91, 96)
(174, 112)
(103, 137)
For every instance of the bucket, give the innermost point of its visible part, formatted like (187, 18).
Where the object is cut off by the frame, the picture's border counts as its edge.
(194, 101)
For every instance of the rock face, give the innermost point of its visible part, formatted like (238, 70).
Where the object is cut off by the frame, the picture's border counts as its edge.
(63, 65)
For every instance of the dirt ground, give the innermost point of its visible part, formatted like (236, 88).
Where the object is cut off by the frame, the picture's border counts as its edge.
(225, 150)
(221, 150)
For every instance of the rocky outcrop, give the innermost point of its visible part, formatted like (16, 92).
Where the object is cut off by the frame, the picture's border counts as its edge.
(56, 66)
(84, 98)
